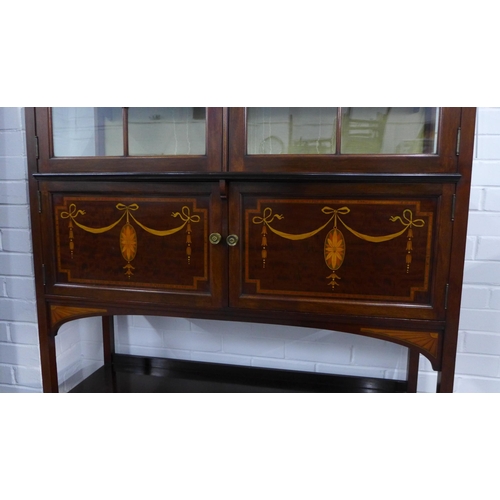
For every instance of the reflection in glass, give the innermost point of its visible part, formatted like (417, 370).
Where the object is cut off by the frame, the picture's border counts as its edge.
(291, 130)
(389, 131)
(87, 131)
(166, 131)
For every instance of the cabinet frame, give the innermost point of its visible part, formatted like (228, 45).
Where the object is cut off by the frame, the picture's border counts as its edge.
(224, 167)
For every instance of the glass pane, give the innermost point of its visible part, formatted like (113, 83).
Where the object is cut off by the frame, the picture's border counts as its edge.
(306, 131)
(87, 131)
(389, 131)
(166, 131)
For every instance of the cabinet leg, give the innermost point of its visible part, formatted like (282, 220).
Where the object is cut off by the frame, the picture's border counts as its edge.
(446, 379)
(48, 363)
(108, 341)
(412, 370)
(108, 338)
(446, 376)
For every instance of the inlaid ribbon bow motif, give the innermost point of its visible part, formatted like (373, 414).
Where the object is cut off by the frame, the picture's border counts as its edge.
(335, 246)
(128, 234)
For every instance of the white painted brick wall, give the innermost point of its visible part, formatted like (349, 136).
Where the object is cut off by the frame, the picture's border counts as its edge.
(19, 356)
(79, 345)
(478, 357)
(19, 353)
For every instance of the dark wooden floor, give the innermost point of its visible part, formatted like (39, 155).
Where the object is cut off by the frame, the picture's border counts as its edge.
(134, 374)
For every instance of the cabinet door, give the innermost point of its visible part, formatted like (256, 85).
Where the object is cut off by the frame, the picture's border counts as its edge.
(113, 242)
(346, 249)
(376, 140)
(137, 140)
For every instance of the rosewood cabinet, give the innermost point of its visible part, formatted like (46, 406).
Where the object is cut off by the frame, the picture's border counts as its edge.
(349, 219)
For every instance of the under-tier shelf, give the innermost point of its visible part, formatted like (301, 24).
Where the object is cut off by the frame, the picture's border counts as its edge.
(135, 374)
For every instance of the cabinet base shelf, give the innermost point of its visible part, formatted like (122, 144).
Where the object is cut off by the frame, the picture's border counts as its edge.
(131, 374)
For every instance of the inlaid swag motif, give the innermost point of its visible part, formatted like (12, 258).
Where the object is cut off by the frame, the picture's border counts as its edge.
(128, 234)
(335, 245)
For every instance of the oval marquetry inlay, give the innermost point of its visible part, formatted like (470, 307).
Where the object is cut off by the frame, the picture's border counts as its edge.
(334, 249)
(128, 242)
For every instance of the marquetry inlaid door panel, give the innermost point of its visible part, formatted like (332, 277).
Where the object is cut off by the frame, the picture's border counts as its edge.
(345, 249)
(156, 241)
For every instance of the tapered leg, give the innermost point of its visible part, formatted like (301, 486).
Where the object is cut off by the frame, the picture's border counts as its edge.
(412, 370)
(47, 342)
(48, 361)
(446, 378)
(108, 338)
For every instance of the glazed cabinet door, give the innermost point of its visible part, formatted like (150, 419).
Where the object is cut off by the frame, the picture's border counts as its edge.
(115, 242)
(341, 249)
(343, 140)
(154, 139)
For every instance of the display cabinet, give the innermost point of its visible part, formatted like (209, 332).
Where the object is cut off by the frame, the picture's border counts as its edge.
(349, 219)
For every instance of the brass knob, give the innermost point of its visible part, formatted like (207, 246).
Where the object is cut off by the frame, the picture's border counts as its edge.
(231, 240)
(215, 238)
